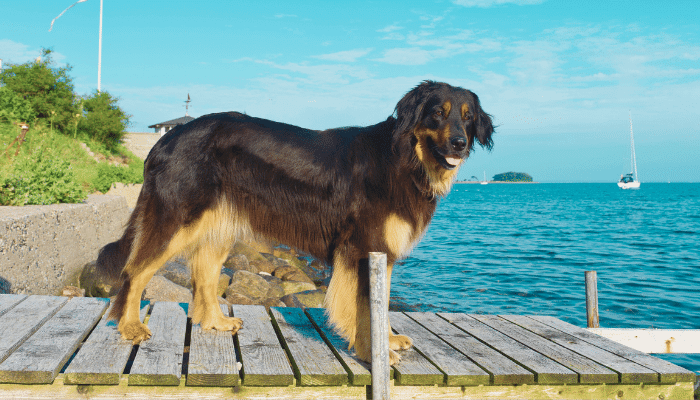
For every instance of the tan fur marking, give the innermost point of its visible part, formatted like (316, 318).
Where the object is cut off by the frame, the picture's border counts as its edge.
(205, 242)
(440, 179)
(341, 298)
(447, 107)
(465, 110)
(398, 234)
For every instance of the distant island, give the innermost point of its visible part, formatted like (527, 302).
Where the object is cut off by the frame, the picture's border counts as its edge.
(512, 177)
(506, 177)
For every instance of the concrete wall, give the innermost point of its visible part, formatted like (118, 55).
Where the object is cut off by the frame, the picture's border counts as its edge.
(43, 248)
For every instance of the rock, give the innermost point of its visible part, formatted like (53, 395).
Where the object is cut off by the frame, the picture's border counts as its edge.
(95, 284)
(260, 247)
(291, 273)
(239, 262)
(176, 270)
(248, 284)
(316, 271)
(250, 253)
(272, 302)
(296, 287)
(309, 298)
(162, 289)
(276, 261)
(276, 289)
(237, 298)
(263, 266)
(72, 291)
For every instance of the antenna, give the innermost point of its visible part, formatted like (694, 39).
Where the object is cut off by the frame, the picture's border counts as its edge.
(187, 105)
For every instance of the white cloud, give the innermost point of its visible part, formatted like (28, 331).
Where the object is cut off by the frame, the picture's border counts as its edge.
(345, 56)
(390, 28)
(17, 53)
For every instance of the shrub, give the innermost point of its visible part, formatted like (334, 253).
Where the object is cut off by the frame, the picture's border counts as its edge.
(41, 179)
(49, 90)
(14, 108)
(103, 120)
(109, 174)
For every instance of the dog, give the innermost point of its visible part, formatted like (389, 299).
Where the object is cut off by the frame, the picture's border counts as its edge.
(336, 194)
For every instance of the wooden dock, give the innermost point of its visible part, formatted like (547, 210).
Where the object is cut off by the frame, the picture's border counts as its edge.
(55, 347)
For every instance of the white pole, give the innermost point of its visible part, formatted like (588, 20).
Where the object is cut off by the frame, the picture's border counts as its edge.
(379, 325)
(99, 53)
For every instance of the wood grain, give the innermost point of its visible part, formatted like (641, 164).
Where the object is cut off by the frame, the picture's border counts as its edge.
(41, 357)
(212, 357)
(264, 360)
(7, 301)
(414, 368)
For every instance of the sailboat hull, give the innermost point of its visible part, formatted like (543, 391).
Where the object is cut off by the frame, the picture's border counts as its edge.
(628, 185)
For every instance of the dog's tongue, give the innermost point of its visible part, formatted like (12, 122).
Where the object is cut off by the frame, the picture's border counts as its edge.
(453, 160)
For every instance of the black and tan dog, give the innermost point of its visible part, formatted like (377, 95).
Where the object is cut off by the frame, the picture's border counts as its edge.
(337, 194)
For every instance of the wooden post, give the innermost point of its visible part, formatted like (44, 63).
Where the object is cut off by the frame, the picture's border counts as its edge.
(592, 299)
(379, 316)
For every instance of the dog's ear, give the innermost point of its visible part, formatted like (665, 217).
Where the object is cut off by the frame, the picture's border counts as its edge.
(409, 111)
(483, 125)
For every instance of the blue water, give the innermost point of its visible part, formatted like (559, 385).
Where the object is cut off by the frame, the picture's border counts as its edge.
(523, 249)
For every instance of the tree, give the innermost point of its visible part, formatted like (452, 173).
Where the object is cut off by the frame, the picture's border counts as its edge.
(14, 108)
(48, 89)
(103, 119)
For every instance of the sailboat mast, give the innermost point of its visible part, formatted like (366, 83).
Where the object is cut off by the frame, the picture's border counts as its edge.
(634, 157)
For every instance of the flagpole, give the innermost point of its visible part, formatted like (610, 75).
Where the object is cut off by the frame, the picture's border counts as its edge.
(99, 56)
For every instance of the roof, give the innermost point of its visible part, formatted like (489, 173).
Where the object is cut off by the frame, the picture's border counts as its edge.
(176, 121)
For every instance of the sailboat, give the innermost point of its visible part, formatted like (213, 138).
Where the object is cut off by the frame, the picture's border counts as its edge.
(631, 180)
(484, 182)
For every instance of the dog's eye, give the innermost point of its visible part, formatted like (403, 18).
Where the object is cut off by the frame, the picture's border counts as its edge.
(466, 117)
(439, 113)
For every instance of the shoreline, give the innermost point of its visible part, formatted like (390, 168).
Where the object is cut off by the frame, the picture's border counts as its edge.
(492, 182)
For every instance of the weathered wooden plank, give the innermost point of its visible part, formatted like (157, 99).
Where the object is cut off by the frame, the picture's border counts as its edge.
(589, 371)
(7, 301)
(103, 356)
(669, 373)
(358, 374)
(629, 372)
(654, 340)
(264, 360)
(501, 369)
(24, 319)
(458, 369)
(40, 358)
(313, 363)
(414, 368)
(212, 357)
(546, 370)
(159, 359)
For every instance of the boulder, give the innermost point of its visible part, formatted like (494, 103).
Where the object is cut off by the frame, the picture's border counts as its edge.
(309, 298)
(237, 298)
(162, 289)
(291, 273)
(249, 252)
(248, 284)
(239, 262)
(177, 270)
(263, 266)
(224, 282)
(276, 289)
(296, 287)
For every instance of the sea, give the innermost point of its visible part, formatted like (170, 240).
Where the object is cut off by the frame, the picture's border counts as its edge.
(524, 249)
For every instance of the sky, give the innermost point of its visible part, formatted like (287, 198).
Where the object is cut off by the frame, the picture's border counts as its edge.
(560, 78)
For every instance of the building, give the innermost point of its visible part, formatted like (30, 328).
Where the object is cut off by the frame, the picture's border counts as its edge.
(164, 127)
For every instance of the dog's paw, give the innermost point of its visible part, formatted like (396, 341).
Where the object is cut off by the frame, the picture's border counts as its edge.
(135, 331)
(394, 357)
(223, 323)
(400, 342)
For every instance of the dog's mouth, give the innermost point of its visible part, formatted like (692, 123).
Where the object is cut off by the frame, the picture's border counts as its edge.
(447, 162)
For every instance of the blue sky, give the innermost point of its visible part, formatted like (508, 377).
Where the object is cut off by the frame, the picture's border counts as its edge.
(559, 77)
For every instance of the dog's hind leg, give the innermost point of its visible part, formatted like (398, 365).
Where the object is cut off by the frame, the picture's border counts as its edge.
(206, 264)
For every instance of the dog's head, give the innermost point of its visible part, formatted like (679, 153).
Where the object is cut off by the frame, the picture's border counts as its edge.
(439, 123)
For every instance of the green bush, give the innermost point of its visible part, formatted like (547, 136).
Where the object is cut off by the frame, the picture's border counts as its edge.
(49, 90)
(103, 120)
(109, 174)
(14, 108)
(40, 179)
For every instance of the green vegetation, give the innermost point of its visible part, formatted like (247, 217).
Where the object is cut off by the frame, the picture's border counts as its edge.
(512, 177)
(49, 166)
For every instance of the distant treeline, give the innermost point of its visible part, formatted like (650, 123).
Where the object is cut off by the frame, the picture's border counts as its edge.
(512, 177)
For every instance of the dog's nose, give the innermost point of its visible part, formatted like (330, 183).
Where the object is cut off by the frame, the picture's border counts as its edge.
(458, 143)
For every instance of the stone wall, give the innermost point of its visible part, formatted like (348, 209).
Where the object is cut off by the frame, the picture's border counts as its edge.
(43, 248)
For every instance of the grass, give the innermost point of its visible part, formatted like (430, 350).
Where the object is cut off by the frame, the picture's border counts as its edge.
(56, 150)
